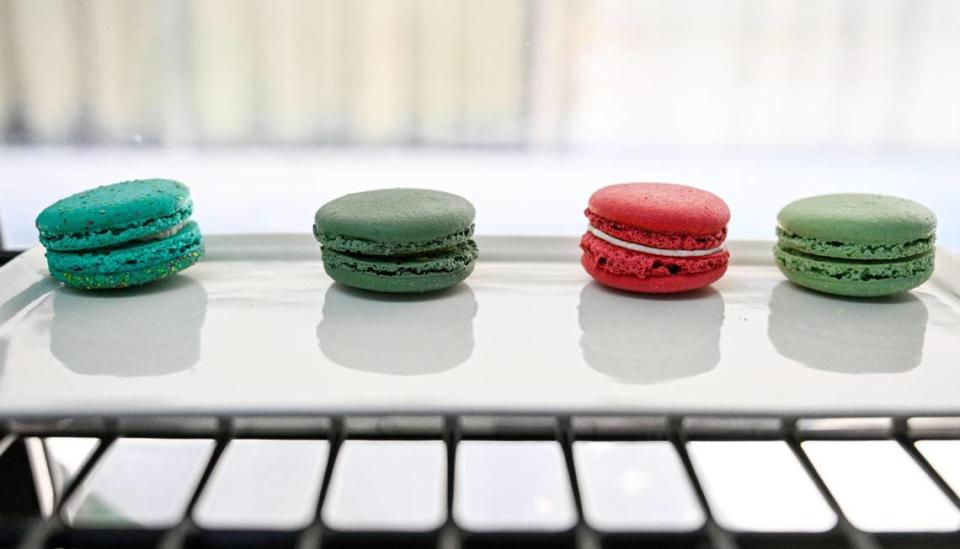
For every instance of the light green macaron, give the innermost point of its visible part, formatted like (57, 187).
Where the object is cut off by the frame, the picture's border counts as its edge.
(861, 245)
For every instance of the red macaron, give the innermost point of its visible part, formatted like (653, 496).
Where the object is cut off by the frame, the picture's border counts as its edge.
(655, 237)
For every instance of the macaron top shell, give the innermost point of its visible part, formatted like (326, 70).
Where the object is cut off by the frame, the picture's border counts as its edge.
(858, 219)
(660, 208)
(115, 213)
(394, 221)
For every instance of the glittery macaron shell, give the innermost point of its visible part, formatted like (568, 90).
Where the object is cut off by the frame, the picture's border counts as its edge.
(132, 265)
(112, 214)
(132, 257)
(126, 279)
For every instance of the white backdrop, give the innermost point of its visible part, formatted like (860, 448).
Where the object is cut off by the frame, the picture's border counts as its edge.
(278, 190)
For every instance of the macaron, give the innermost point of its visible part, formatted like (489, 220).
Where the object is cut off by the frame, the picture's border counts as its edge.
(655, 237)
(121, 235)
(860, 245)
(397, 240)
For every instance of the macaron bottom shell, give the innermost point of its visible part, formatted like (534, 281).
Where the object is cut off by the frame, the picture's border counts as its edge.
(654, 285)
(416, 274)
(854, 278)
(131, 256)
(132, 264)
(106, 281)
(407, 283)
(646, 273)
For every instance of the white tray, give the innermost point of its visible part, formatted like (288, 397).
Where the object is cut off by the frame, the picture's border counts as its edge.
(257, 328)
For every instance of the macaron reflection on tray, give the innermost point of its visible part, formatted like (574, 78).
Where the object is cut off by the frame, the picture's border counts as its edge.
(258, 328)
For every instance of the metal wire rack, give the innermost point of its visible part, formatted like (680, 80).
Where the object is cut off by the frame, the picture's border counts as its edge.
(39, 531)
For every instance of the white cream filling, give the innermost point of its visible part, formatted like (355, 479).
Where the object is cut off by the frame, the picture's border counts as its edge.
(162, 234)
(647, 249)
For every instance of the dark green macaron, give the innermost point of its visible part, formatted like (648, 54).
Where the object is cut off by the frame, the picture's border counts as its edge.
(120, 235)
(861, 245)
(397, 240)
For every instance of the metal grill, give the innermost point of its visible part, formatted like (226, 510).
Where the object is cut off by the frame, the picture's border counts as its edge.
(26, 521)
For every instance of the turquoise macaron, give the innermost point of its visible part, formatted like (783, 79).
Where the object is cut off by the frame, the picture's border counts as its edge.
(857, 245)
(121, 235)
(397, 240)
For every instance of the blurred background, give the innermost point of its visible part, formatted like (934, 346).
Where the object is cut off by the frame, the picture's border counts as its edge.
(268, 108)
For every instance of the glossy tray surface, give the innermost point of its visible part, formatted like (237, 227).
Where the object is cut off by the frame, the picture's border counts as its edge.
(258, 328)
